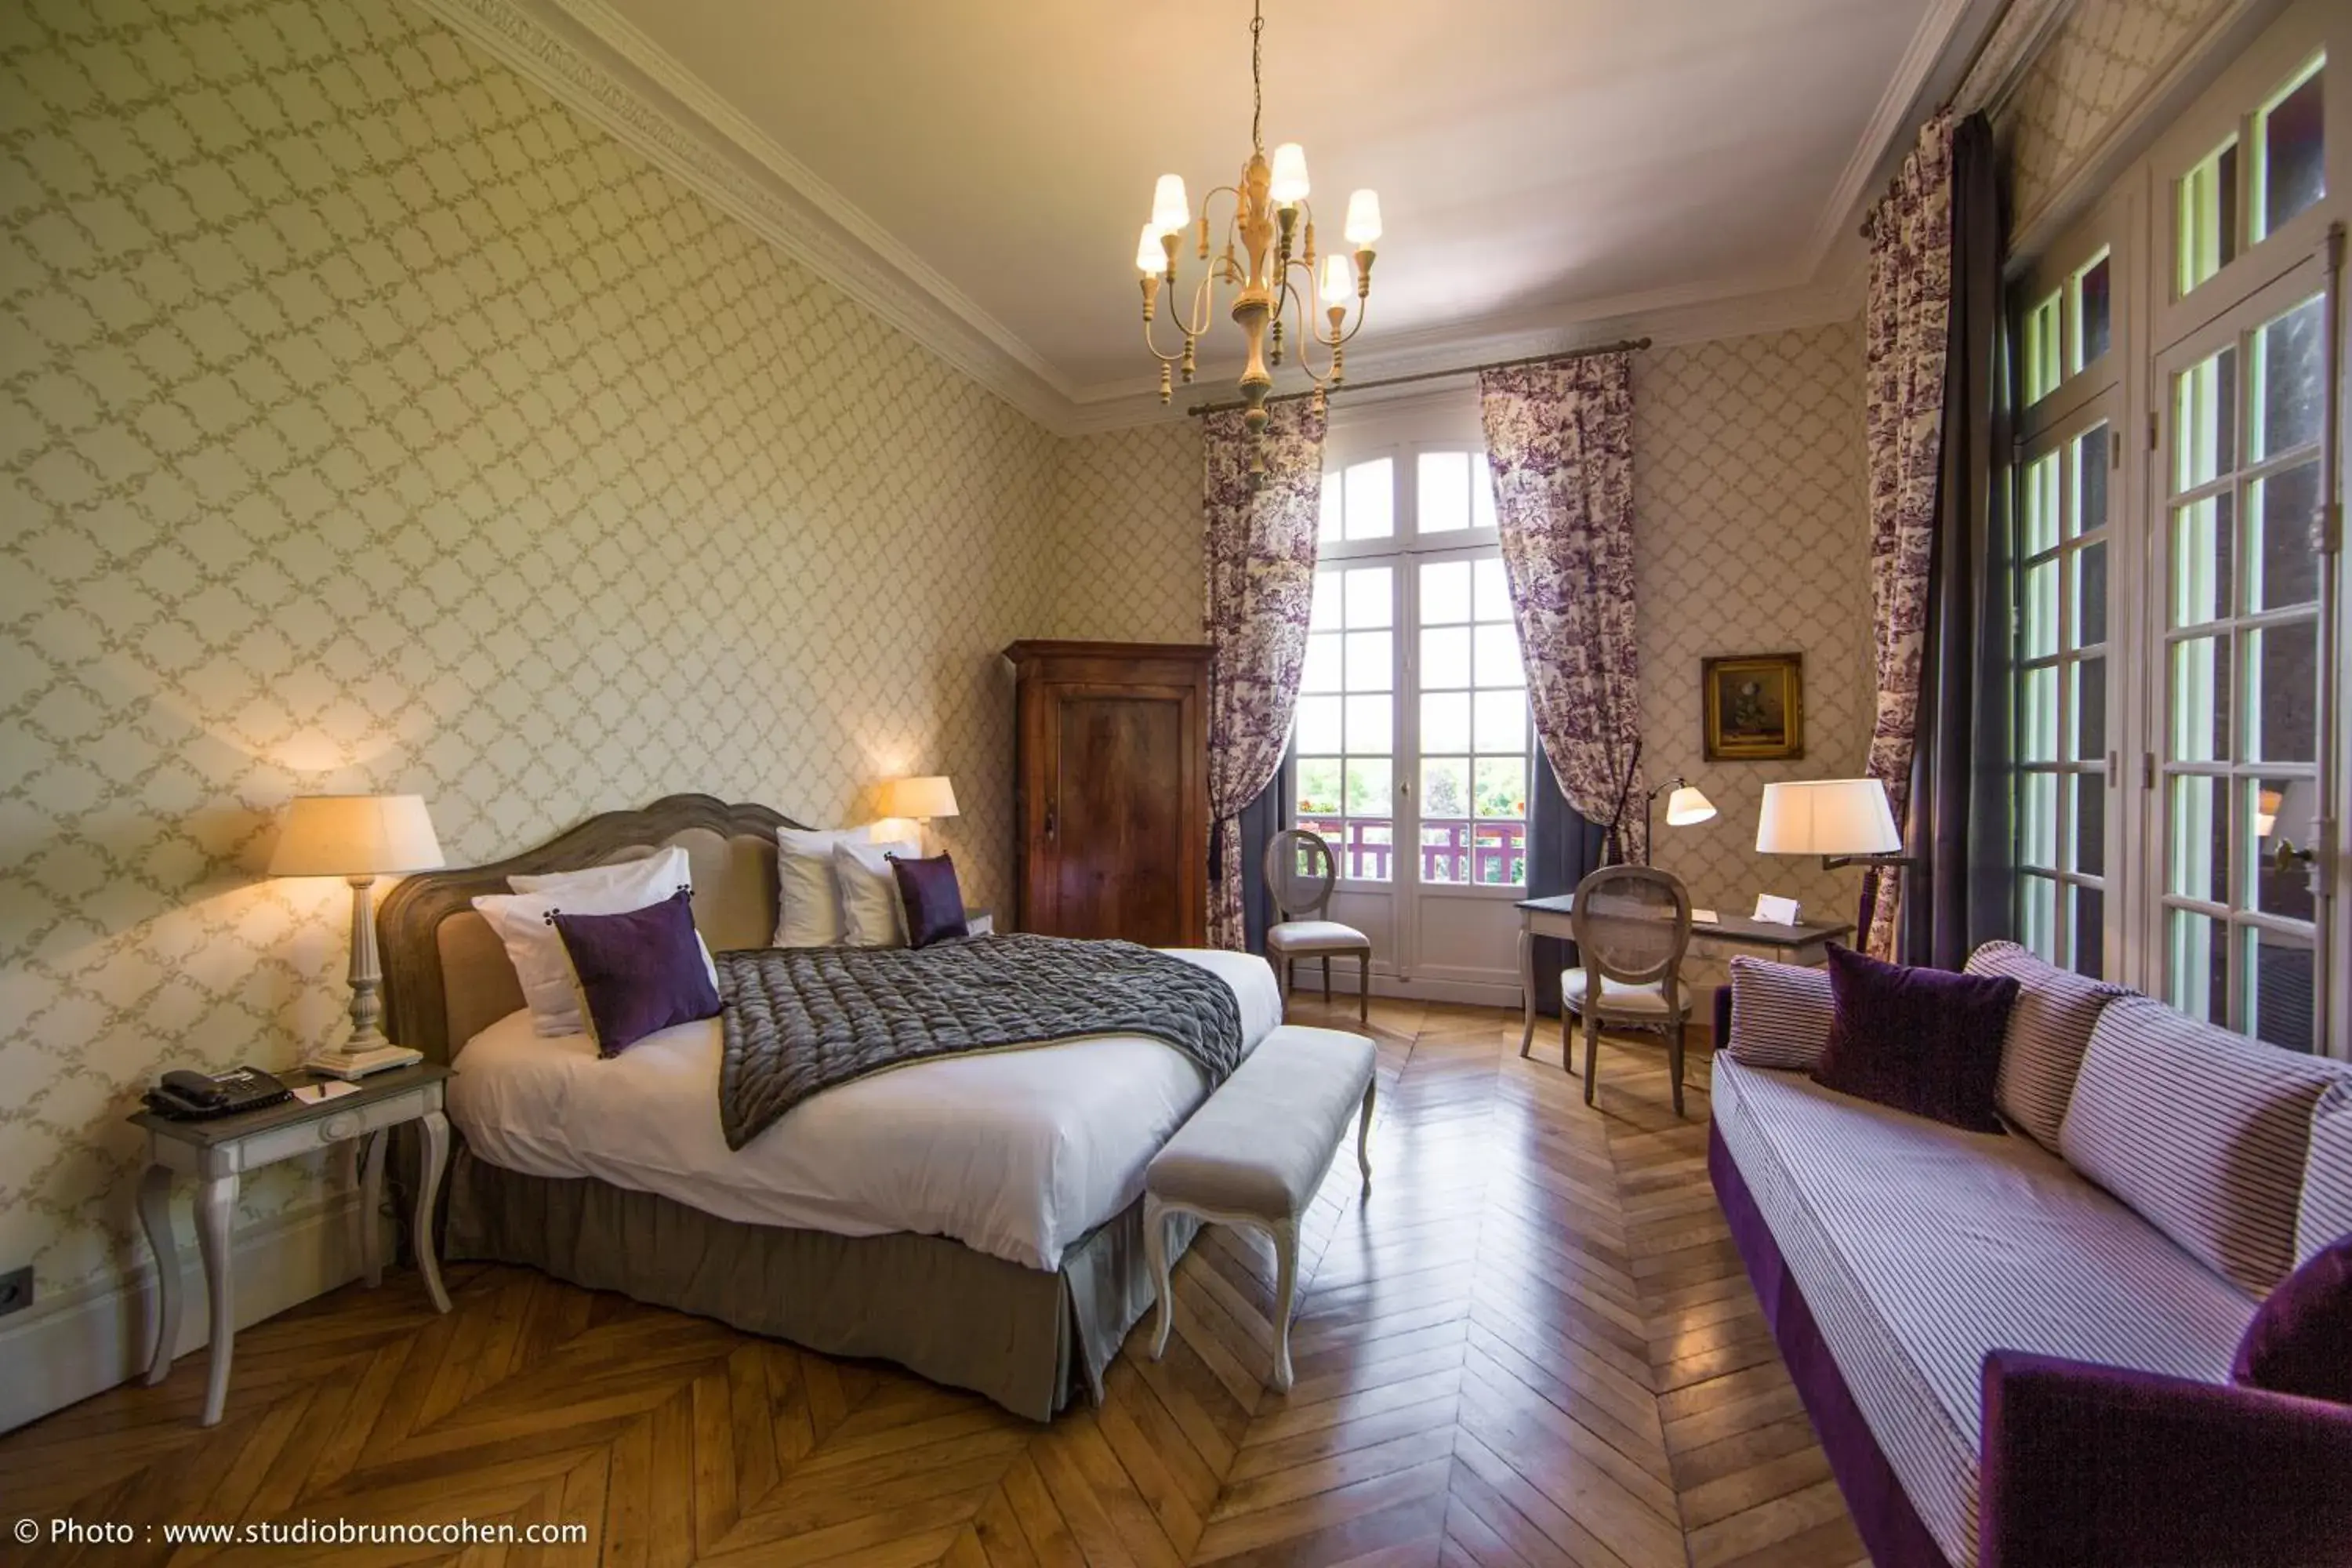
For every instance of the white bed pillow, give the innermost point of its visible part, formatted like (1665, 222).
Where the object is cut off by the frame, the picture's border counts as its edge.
(536, 949)
(808, 895)
(871, 915)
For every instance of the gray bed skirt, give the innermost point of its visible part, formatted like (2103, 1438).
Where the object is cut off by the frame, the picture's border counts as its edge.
(1025, 1338)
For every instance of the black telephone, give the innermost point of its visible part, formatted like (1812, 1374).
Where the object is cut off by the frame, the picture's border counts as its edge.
(186, 1096)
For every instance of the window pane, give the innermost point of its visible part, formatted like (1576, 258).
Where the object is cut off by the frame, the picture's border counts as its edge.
(1444, 593)
(1445, 657)
(1372, 661)
(1371, 597)
(1372, 499)
(2285, 660)
(1329, 528)
(2197, 841)
(2202, 548)
(2277, 971)
(2041, 522)
(2196, 976)
(1371, 785)
(1369, 846)
(2290, 140)
(1502, 854)
(2284, 406)
(2089, 513)
(2037, 820)
(1482, 493)
(1321, 670)
(1318, 724)
(2089, 927)
(2281, 810)
(2091, 595)
(2089, 741)
(1443, 489)
(1502, 786)
(1444, 851)
(1502, 717)
(1494, 594)
(2037, 916)
(1372, 725)
(1329, 603)
(2092, 305)
(1445, 722)
(1318, 786)
(2205, 420)
(2037, 715)
(2037, 611)
(2205, 225)
(2285, 571)
(2042, 367)
(1445, 787)
(2199, 700)
(1498, 656)
(2087, 831)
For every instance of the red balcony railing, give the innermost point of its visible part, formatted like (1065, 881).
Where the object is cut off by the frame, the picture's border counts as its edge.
(1490, 853)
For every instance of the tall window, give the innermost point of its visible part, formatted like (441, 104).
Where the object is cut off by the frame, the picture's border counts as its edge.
(1413, 726)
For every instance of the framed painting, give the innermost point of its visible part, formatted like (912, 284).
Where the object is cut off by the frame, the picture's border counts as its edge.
(1754, 706)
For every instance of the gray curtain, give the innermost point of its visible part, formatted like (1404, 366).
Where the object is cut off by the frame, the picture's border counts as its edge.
(1958, 821)
(1562, 849)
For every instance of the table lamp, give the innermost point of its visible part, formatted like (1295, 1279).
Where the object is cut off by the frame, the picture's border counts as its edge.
(919, 800)
(1686, 807)
(359, 838)
(1841, 820)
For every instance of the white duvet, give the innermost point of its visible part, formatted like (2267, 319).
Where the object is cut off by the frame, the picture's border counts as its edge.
(1018, 1153)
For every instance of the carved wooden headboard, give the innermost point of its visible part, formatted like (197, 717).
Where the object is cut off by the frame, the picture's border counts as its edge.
(446, 976)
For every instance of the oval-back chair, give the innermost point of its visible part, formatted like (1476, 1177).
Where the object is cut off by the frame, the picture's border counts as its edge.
(1632, 924)
(1300, 872)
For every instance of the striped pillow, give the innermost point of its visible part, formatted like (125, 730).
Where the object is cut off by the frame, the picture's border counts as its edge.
(2203, 1132)
(1779, 1015)
(2049, 1030)
(2326, 1211)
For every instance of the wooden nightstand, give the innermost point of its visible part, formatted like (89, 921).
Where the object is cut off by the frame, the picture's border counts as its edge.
(218, 1153)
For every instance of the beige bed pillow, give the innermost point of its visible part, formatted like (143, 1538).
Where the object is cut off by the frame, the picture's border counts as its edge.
(870, 912)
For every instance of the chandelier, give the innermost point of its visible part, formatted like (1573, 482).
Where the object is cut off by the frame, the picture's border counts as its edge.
(1272, 225)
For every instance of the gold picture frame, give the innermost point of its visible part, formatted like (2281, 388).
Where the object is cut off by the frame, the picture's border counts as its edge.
(1754, 706)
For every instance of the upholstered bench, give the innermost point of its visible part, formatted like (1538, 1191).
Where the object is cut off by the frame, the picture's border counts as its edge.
(1256, 1152)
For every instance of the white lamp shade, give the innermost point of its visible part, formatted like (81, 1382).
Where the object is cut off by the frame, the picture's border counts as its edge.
(355, 835)
(1338, 280)
(1169, 209)
(1363, 219)
(1289, 176)
(1148, 256)
(1827, 816)
(1687, 809)
(919, 797)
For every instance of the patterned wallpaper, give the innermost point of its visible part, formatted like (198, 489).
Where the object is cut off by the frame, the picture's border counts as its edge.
(1126, 535)
(367, 422)
(2094, 63)
(1752, 536)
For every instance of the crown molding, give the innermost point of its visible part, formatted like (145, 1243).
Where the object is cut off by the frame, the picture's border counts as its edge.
(638, 100)
(597, 63)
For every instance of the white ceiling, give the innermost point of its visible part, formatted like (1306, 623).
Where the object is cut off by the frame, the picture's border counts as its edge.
(1540, 163)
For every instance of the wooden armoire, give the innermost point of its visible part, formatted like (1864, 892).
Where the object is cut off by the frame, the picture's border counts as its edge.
(1113, 789)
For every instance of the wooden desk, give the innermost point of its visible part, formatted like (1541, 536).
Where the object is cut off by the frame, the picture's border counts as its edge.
(1724, 935)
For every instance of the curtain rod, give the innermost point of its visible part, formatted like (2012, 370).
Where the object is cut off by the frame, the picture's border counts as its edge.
(1622, 345)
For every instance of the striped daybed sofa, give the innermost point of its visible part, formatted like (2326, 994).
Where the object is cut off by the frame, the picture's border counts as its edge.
(2016, 1349)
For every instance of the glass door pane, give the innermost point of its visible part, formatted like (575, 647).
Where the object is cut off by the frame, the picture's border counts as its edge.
(1346, 726)
(2239, 725)
(1471, 692)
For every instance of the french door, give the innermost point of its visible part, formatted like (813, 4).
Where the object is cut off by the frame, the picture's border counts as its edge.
(1412, 745)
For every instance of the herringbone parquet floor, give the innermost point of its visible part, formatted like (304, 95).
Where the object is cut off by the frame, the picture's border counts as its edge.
(1532, 1345)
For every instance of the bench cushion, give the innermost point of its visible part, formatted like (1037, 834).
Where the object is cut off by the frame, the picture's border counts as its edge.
(1261, 1142)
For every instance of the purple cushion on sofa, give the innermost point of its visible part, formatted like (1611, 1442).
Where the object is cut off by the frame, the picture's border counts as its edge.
(639, 972)
(933, 900)
(1923, 1041)
(2301, 1339)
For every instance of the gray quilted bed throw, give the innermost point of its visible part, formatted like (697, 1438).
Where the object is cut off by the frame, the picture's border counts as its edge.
(799, 1020)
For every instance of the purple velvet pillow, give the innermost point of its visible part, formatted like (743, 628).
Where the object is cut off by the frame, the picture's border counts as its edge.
(2301, 1339)
(1923, 1041)
(932, 899)
(639, 972)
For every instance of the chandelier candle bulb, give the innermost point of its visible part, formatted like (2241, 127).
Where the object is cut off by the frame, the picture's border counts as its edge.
(1336, 286)
(1289, 186)
(1169, 209)
(1363, 219)
(1146, 252)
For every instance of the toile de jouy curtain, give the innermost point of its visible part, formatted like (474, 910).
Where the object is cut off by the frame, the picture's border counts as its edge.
(1260, 552)
(1560, 440)
(1905, 331)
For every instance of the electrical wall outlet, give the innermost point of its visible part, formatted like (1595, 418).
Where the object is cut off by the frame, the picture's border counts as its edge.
(16, 1291)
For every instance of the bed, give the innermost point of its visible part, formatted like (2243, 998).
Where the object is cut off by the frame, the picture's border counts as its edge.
(976, 1219)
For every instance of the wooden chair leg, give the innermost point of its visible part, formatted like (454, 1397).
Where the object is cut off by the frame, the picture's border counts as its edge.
(1327, 980)
(1674, 1062)
(1591, 1052)
(1364, 988)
